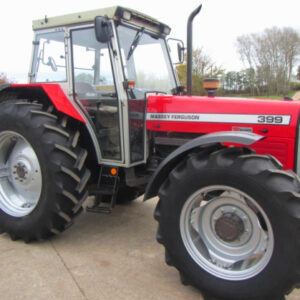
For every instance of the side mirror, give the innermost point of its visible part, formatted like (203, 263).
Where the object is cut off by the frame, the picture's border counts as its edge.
(103, 30)
(180, 51)
(176, 48)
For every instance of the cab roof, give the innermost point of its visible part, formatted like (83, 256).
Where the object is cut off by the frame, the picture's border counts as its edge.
(114, 13)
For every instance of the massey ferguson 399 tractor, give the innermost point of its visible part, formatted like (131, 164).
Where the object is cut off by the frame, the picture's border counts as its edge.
(103, 114)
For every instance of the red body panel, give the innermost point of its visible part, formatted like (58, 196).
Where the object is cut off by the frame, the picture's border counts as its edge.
(275, 119)
(57, 97)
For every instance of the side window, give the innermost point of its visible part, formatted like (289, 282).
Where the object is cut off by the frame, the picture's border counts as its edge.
(84, 59)
(92, 66)
(49, 63)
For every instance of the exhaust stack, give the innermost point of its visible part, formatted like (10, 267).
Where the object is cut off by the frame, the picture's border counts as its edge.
(190, 49)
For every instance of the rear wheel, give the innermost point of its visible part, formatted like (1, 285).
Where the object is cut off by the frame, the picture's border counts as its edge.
(42, 172)
(229, 220)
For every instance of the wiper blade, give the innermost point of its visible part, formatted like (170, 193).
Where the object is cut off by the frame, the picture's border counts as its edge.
(135, 42)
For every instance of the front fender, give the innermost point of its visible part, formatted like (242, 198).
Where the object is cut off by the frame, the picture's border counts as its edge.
(161, 173)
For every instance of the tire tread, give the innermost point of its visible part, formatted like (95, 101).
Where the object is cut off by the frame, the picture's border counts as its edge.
(65, 161)
(286, 184)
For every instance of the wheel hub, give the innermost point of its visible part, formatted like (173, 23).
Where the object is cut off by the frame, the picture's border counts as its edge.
(222, 230)
(21, 172)
(229, 227)
(20, 175)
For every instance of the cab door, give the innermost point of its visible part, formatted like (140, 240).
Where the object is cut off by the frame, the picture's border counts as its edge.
(95, 87)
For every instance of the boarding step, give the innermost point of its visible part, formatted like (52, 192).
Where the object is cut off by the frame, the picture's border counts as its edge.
(100, 209)
(106, 190)
(101, 191)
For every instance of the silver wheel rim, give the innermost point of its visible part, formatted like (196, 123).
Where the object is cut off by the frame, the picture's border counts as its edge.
(226, 232)
(20, 175)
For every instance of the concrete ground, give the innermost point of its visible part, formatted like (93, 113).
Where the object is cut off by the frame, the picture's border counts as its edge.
(100, 257)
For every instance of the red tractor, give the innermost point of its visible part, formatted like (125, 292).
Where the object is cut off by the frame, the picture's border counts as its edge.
(104, 114)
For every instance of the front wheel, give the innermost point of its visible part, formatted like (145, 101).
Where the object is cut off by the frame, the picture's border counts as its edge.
(229, 222)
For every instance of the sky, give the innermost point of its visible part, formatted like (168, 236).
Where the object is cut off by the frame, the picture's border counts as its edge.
(216, 28)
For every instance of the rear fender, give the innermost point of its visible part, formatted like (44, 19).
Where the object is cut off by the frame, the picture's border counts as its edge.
(4, 86)
(54, 93)
(162, 172)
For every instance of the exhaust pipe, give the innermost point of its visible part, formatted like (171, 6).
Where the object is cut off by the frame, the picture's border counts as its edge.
(189, 44)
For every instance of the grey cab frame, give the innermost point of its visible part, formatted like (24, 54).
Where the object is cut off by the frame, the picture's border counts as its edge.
(105, 30)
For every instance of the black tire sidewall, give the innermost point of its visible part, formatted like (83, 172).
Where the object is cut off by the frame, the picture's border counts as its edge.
(281, 261)
(18, 119)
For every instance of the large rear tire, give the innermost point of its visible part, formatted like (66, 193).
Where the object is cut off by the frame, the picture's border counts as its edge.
(230, 221)
(43, 177)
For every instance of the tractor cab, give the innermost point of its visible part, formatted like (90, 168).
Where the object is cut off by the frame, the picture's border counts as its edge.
(107, 60)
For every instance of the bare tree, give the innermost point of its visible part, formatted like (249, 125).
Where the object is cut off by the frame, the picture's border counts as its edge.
(290, 50)
(3, 78)
(202, 63)
(272, 55)
(203, 67)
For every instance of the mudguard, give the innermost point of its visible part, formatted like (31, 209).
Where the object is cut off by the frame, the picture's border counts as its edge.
(161, 173)
(4, 86)
(53, 91)
(58, 96)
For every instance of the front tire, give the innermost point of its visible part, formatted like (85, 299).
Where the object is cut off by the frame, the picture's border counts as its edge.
(229, 220)
(43, 177)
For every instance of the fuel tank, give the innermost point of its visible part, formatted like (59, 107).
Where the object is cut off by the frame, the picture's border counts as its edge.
(277, 120)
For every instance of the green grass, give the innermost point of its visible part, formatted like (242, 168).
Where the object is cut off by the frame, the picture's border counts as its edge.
(291, 94)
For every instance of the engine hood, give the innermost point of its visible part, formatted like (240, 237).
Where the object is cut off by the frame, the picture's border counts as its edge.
(272, 118)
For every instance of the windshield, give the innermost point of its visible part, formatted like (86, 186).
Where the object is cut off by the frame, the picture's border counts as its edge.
(146, 62)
